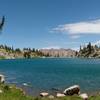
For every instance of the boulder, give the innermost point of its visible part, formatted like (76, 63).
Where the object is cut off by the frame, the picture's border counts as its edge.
(44, 94)
(60, 95)
(72, 90)
(2, 78)
(25, 84)
(84, 96)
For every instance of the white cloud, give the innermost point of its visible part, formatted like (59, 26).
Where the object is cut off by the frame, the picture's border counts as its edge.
(79, 28)
(75, 36)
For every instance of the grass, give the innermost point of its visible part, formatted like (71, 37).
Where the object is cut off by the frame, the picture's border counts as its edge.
(13, 93)
(2, 57)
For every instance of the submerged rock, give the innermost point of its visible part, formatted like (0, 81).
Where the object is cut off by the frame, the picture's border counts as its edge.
(25, 84)
(55, 89)
(72, 90)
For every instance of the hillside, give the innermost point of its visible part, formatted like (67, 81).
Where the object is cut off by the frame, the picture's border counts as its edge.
(7, 52)
(58, 52)
(89, 51)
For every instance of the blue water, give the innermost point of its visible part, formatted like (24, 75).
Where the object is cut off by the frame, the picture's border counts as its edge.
(44, 74)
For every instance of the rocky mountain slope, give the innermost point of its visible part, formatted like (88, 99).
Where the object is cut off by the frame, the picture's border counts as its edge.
(89, 51)
(58, 52)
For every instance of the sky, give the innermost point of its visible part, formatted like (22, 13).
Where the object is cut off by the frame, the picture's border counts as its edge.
(50, 23)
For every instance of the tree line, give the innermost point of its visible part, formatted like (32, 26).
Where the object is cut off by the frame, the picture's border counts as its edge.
(27, 52)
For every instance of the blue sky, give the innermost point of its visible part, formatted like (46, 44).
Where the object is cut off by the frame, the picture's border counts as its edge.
(50, 23)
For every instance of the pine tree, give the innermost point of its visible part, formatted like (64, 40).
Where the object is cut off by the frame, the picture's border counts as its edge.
(89, 47)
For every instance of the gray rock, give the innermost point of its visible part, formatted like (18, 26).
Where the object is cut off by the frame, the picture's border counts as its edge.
(60, 95)
(44, 94)
(2, 78)
(72, 90)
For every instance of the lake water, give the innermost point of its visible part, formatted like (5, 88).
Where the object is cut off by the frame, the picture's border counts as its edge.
(52, 73)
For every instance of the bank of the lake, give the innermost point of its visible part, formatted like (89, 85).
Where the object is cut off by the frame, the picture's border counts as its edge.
(11, 92)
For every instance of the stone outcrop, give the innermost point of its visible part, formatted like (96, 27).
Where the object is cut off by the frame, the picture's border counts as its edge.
(58, 52)
(89, 51)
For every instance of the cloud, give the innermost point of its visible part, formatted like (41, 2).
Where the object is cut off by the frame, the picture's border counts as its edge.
(79, 28)
(75, 36)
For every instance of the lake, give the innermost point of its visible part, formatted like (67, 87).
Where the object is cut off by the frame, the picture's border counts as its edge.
(38, 74)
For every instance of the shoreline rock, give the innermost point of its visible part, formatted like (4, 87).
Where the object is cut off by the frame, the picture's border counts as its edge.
(44, 94)
(72, 90)
(60, 95)
(2, 78)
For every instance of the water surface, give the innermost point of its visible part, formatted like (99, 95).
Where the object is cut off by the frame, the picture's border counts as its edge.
(45, 74)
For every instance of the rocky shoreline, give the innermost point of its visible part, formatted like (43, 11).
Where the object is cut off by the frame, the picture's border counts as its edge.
(73, 90)
(68, 92)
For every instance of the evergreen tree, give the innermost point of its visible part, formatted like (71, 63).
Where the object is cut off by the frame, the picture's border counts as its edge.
(89, 47)
(27, 55)
(18, 50)
(80, 48)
